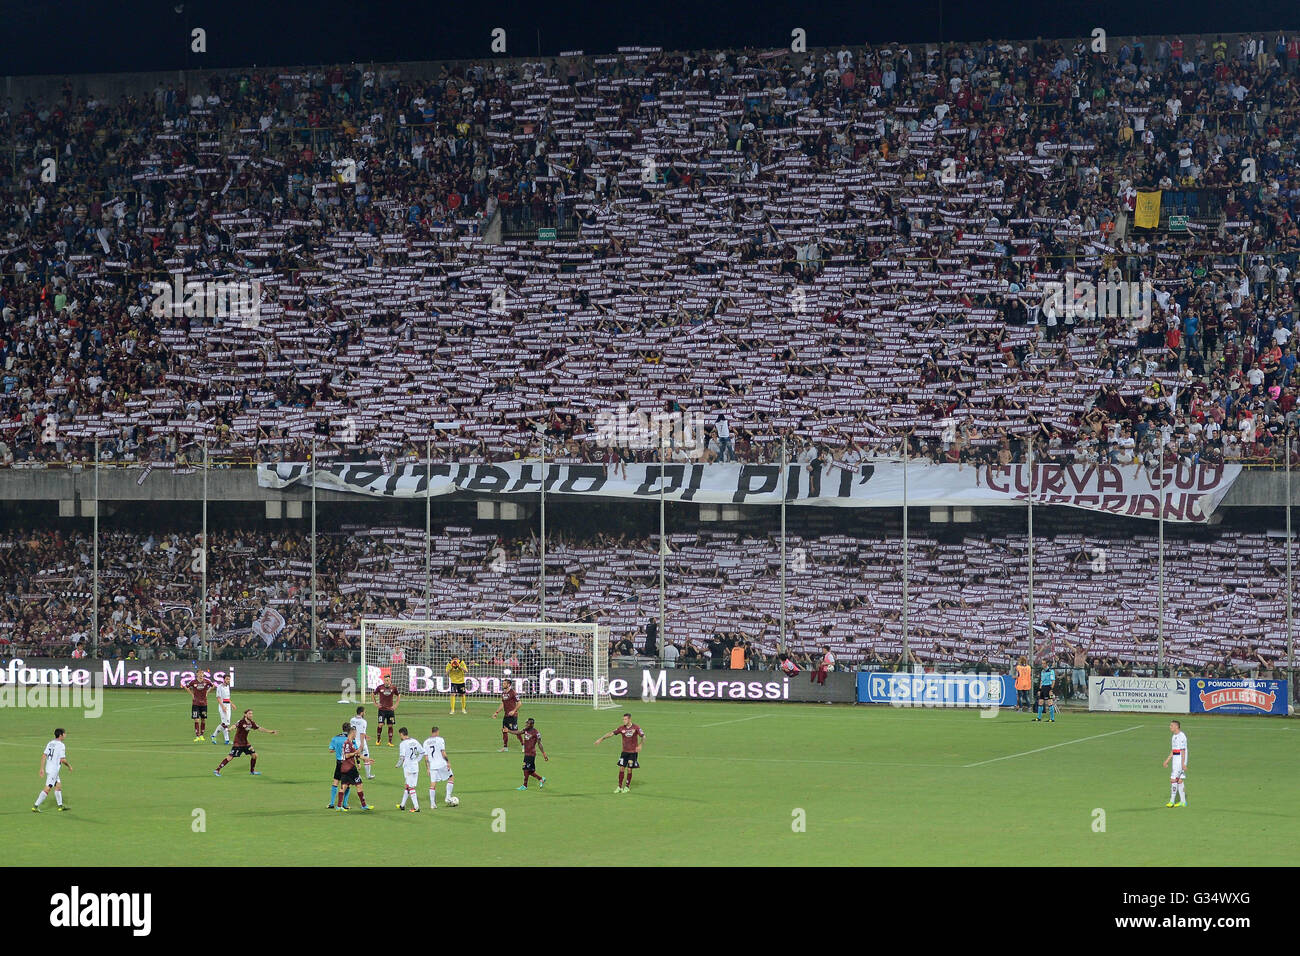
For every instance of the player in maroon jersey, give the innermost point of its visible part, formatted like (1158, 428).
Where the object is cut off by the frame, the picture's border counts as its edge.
(510, 722)
(531, 738)
(627, 762)
(198, 687)
(240, 747)
(386, 700)
(349, 776)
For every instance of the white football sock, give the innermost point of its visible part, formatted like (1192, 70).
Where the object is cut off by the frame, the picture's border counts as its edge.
(433, 797)
(58, 797)
(447, 795)
(1182, 791)
(40, 798)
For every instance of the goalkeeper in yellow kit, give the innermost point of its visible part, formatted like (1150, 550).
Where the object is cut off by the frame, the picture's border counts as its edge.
(457, 671)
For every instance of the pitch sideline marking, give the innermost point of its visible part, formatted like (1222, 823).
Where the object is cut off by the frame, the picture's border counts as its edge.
(738, 720)
(1065, 743)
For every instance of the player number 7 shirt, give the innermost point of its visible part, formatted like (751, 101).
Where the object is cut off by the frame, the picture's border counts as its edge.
(434, 748)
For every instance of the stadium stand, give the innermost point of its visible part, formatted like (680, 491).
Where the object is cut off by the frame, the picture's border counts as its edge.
(847, 251)
(842, 249)
(966, 596)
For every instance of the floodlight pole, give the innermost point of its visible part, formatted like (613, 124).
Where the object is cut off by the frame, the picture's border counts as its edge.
(205, 652)
(428, 537)
(1030, 529)
(94, 574)
(541, 579)
(313, 548)
(784, 481)
(907, 654)
(1160, 593)
(1290, 634)
(663, 546)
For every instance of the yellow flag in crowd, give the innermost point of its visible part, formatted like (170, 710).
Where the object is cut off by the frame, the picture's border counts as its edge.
(1146, 215)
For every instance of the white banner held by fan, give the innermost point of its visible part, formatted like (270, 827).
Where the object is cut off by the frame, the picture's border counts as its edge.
(1191, 492)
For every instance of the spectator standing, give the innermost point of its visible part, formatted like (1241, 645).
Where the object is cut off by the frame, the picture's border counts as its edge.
(652, 638)
(726, 451)
(738, 656)
(670, 655)
(1024, 683)
(824, 665)
(1078, 672)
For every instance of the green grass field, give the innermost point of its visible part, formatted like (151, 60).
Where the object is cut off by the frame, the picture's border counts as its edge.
(719, 784)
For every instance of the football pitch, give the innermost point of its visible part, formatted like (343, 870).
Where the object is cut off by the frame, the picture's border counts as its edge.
(719, 784)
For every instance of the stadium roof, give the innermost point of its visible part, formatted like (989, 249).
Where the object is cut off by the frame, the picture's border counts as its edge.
(88, 36)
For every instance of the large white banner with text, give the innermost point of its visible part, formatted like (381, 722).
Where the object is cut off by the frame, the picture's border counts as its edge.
(1190, 492)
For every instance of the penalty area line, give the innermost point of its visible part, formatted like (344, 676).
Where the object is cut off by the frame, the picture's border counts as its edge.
(1064, 743)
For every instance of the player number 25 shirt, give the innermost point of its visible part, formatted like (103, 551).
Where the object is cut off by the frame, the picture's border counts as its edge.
(411, 752)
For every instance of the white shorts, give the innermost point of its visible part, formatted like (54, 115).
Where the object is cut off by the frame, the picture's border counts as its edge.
(412, 778)
(51, 779)
(439, 774)
(223, 709)
(1176, 771)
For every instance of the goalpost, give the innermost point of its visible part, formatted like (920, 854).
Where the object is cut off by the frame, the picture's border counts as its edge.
(560, 661)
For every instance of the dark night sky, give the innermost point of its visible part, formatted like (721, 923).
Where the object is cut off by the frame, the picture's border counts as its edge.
(80, 36)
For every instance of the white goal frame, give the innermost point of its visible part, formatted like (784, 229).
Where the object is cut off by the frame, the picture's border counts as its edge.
(556, 678)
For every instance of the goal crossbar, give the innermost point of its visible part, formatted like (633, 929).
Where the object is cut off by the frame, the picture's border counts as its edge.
(562, 661)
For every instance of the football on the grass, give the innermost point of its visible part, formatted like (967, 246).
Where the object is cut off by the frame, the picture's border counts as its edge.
(453, 801)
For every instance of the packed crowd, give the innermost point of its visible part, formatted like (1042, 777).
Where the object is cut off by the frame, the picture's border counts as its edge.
(843, 249)
(1095, 589)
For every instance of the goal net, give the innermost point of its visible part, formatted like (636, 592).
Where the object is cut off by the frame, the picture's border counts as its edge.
(552, 660)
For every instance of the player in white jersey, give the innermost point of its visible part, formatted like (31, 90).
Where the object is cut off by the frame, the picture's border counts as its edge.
(1177, 773)
(53, 759)
(435, 752)
(409, 755)
(222, 690)
(363, 741)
